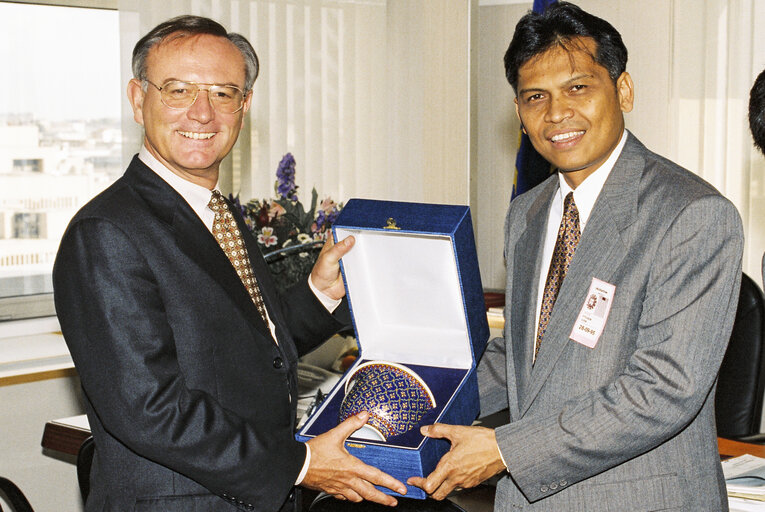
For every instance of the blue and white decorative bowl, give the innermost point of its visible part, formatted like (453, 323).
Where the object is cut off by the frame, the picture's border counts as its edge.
(395, 396)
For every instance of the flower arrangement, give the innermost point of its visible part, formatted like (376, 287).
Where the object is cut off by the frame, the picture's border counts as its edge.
(289, 237)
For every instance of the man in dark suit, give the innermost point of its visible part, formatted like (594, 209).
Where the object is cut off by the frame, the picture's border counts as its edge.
(757, 124)
(623, 271)
(188, 364)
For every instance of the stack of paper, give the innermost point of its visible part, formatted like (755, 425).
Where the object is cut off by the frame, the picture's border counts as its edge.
(745, 480)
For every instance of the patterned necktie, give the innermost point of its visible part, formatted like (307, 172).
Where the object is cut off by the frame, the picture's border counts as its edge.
(226, 233)
(565, 245)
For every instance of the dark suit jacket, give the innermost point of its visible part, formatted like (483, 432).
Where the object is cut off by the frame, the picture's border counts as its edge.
(628, 424)
(191, 403)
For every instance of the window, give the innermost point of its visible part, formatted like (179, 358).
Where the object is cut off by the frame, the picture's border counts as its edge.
(60, 137)
(27, 165)
(29, 225)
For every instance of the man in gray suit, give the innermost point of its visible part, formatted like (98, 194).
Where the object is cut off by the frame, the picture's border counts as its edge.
(623, 272)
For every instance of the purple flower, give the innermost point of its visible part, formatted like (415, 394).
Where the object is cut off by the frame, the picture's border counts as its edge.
(326, 218)
(285, 176)
(321, 219)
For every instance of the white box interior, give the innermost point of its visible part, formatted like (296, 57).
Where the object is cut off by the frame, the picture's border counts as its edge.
(406, 297)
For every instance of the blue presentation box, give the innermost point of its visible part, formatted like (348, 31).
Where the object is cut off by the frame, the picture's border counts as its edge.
(414, 289)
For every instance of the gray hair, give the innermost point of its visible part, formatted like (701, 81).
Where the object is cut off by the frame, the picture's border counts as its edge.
(194, 25)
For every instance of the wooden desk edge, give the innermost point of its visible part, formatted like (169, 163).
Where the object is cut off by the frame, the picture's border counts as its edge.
(67, 439)
(63, 438)
(731, 448)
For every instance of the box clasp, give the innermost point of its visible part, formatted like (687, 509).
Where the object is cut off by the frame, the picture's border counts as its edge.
(391, 224)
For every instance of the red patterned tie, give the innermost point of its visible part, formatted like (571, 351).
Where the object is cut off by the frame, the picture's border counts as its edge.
(226, 233)
(565, 245)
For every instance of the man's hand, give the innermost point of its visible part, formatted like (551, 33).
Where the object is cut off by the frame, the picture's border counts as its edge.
(335, 471)
(473, 457)
(326, 272)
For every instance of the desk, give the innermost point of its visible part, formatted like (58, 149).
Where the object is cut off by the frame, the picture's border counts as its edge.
(66, 434)
(730, 448)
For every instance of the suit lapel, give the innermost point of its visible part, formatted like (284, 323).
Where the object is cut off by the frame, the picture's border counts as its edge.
(268, 290)
(193, 237)
(602, 248)
(262, 275)
(526, 265)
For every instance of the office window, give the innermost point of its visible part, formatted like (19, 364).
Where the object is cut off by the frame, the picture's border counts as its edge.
(60, 137)
(27, 165)
(29, 225)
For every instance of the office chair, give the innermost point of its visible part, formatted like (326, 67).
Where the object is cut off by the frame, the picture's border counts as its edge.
(15, 497)
(84, 462)
(326, 503)
(741, 381)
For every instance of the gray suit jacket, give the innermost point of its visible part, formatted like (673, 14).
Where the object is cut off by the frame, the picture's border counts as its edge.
(629, 424)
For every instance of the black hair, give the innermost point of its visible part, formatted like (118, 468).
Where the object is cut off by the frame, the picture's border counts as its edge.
(560, 24)
(757, 112)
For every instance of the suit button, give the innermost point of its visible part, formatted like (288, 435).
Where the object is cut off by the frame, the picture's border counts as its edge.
(563, 483)
(291, 496)
(544, 488)
(553, 486)
(278, 363)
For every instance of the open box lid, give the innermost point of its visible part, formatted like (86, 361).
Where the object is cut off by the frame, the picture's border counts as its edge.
(413, 282)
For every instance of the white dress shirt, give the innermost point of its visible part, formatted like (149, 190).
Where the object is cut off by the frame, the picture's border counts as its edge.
(585, 196)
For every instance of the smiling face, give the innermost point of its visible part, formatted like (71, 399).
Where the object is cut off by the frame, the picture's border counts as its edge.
(571, 109)
(191, 142)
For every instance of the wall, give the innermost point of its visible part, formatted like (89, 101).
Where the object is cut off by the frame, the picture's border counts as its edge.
(49, 483)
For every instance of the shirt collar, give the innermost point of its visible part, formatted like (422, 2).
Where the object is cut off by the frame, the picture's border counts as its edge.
(197, 196)
(587, 192)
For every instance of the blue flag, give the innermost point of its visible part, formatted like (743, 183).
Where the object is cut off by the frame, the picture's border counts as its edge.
(530, 168)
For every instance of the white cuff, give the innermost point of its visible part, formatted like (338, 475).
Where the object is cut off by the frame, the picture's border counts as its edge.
(500, 453)
(303, 471)
(328, 302)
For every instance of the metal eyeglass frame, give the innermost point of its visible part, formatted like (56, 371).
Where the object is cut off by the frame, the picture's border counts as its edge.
(196, 95)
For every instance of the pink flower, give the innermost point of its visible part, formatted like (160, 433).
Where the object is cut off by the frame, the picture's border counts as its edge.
(327, 205)
(275, 210)
(266, 237)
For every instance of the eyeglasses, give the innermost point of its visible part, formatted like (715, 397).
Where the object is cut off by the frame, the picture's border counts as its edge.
(226, 99)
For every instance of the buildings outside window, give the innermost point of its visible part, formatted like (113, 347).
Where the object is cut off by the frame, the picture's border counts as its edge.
(60, 136)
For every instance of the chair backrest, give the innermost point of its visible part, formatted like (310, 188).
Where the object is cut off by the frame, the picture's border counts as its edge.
(15, 497)
(84, 462)
(741, 382)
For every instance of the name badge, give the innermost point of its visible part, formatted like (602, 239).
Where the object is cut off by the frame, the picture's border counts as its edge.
(592, 318)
